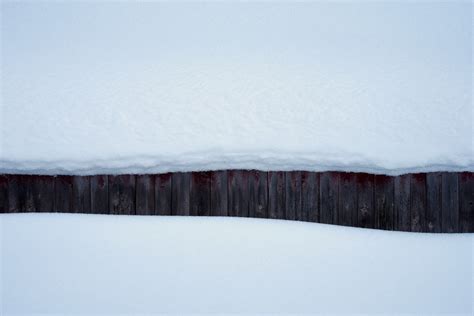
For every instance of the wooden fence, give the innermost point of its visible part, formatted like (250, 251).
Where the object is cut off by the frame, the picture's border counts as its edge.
(423, 202)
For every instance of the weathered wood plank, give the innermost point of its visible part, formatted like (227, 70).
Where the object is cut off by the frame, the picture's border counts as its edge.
(122, 194)
(100, 194)
(384, 202)
(180, 193)
(3, 193)
(43, 193)
(81, 194)
(449, 202)
(402, 202)
(16, 194)
(63, 194)
(219, 196)
(365, 200)
(347, 209)
(163, 196)
(418, 202)
(276, 194)
(433, 202)
(466, 202)
(200, 194)
(238, 193)
(329, 197)
(309, 210)
(145, 194)
(258, 193)
(292, 194)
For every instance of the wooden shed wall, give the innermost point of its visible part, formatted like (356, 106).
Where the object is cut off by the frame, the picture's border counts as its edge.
(423, 202)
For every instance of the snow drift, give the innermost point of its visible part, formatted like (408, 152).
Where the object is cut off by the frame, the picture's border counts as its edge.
(156, 87)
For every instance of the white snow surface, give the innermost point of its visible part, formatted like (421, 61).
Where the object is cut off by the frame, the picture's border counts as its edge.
(127, 87)
(69, 264)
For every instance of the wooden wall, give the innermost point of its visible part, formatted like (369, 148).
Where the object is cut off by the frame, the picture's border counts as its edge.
(424, 202)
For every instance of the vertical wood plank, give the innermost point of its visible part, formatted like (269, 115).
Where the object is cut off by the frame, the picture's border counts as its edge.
(433, 202)
(238, 193)
(365, 200)
(145, 194)
(180, 193)
(100, 194)
(276, 194)
(402, 202)
(219, 196)
(122, 194)
(309, 210)
(200, 194)
(418, 202)
(347, 210)
(329, 196)
(258, 193)
(63, 194)
(16, 194)
(384, 202)
(449, 202)
(43, 193)
(3, 194)
(292, 194)
(466, 202)
(163, 196)
(81, 194)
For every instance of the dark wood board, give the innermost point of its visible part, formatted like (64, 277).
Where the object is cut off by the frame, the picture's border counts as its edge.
(219, 194)
(200, 194)
(402, 202)
(418, 202)
(238, 193)
(384, 202)
(329, 197)
(63, 194)
(145, 194)
(81, 194)
(122, 194)
(449, 202)
(100, 194)
(276, 194)
(163, 198)
(347, 209)
(433, 202)
(3, 193)
(180, 193)
(466, 202)
(292, 194)
(258, 193)
(309, 210)
(365, 200)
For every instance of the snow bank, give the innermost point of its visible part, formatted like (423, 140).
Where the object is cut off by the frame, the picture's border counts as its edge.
(92, 264)
(154, 87)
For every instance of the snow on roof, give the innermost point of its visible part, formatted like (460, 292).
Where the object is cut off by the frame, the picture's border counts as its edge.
(155, 87)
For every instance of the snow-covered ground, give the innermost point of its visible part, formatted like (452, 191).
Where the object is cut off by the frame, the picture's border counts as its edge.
(93, 264)
(97, 87)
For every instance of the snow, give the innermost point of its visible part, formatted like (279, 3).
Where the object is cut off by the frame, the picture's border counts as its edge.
(382, 87)
(95, 264)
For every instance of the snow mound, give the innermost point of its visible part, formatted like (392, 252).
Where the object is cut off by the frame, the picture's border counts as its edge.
(91, 264)
(155, 87)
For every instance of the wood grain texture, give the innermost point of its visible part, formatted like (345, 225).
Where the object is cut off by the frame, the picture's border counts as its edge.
(145, 194)
(238, 193)
(276, 194)
(347, 209)
(81, 194)
(433, 202)
(292, 194)
(219, 193)
(163, 194)
(449, 202)
(100, 194)
(466, 202)
(329, 197)
(122, 194)
(258, 193)
(3, 193)
(418, 202)
(365, 200)
(63, 194)
(384, 202)
(309, 210)
(180, 193)
(402, 202)
(200, 194)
